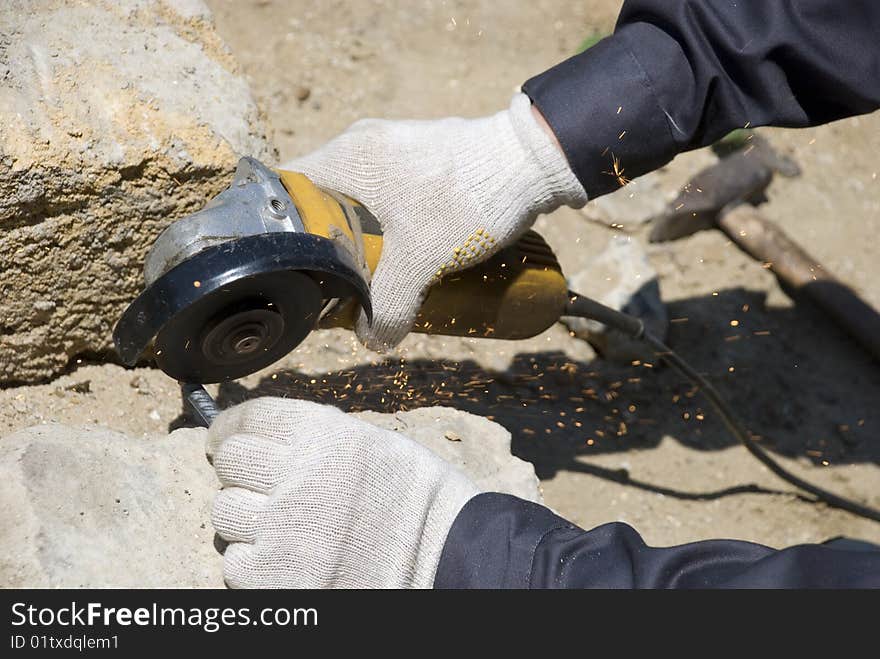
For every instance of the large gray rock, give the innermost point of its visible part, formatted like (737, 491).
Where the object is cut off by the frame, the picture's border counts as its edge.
(115, 119)
(631, 206)
(620, 277)
(477, 446)
(89, 507)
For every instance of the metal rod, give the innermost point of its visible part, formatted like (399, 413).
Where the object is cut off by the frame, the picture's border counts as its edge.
(201, 403)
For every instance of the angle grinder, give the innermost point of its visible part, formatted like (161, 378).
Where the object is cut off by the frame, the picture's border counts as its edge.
(236, 286)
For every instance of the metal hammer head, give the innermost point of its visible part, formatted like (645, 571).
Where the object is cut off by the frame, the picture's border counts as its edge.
(740, 177)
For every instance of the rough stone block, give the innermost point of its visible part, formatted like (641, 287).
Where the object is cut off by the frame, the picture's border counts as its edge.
(89, 507)
(622, 278)
(115, 119)
(631, 206)
(477, 446)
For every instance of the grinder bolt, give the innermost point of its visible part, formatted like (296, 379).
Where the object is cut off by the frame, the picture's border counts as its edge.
(277, 208)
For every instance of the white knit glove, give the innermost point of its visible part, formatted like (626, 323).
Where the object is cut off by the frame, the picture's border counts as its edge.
(448, 193)
(313, 498)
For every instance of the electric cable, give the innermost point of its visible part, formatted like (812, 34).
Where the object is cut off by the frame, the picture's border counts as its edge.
(583, 307)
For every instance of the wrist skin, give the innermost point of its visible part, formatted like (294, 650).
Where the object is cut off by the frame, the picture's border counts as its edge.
(542, 122)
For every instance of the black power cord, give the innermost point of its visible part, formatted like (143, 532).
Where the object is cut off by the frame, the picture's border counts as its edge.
(584, 307)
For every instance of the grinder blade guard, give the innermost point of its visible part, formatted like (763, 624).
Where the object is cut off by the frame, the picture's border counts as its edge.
(235, 287)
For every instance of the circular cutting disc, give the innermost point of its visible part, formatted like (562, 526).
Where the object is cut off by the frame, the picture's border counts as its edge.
(238, 306)
(239, 328)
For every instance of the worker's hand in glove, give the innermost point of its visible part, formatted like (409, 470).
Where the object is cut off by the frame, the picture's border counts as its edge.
(448, 193)
(313, 498)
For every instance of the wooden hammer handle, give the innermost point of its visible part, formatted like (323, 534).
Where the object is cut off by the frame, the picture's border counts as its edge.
(766, 242)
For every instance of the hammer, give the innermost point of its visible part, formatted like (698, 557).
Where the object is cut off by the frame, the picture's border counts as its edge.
(718, 197)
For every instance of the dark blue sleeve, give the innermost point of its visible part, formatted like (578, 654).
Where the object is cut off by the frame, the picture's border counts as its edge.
(680, 74)
(500, 541)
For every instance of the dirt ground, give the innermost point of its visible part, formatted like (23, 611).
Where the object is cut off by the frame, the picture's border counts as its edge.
(609, 442)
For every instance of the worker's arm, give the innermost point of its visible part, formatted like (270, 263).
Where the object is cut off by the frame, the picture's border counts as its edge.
(679, 74)
(313, 497)
(499, 541)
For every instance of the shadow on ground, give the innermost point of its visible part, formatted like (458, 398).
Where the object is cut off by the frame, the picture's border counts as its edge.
(795, 379)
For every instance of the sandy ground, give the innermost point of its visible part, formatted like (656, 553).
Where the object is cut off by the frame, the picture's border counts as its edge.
(609, 442)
